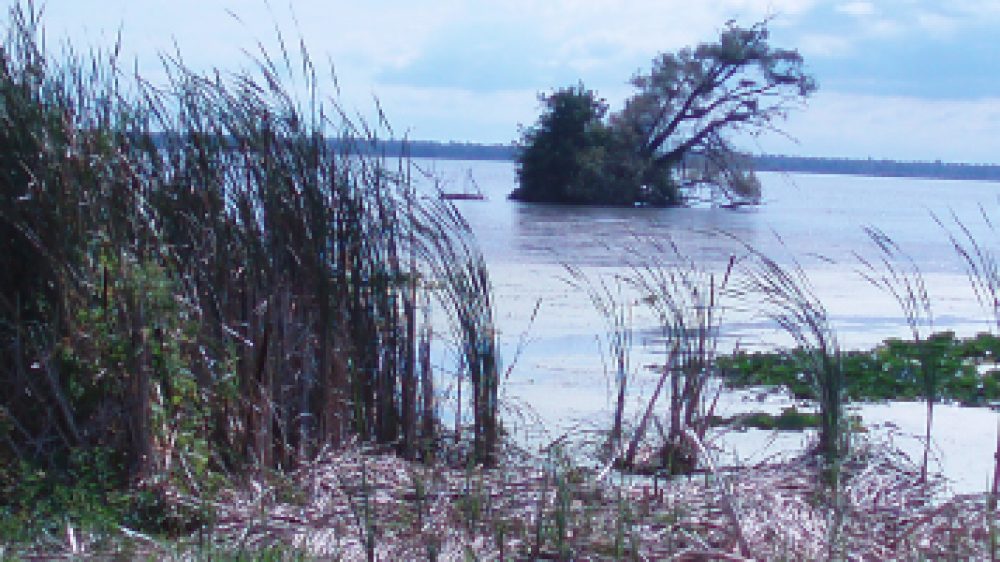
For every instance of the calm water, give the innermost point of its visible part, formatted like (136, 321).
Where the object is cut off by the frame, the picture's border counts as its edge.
(560, 373)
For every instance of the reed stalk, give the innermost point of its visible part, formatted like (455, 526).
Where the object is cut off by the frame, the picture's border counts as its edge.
(979, 260)
(896, 273)
(465, 290)
(689, 302)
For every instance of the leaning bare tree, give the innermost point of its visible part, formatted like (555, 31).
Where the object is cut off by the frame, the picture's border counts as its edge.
(686, 107)
(691, 100)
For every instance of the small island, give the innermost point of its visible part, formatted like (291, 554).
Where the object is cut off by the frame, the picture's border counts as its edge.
(671, 138)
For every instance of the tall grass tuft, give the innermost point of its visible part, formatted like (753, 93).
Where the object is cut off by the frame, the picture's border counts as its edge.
(689, 302)
(896, 273)
(980, 261)
(465, 289)
(786, 296)
(210, 275)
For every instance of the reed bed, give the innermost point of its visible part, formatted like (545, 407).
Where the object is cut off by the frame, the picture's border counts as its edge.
(209, 276)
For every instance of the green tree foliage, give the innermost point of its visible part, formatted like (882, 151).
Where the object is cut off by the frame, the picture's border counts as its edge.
(572, 155)
(570, 125)
(686, 106)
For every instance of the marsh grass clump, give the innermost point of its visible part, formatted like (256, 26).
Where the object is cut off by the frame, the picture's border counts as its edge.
(689, 303)
(210, 278)
(465, 289)
(785, 295)
(896, 273)
(978, 258)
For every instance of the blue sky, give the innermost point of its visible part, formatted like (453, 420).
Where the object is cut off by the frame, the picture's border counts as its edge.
(903, 79)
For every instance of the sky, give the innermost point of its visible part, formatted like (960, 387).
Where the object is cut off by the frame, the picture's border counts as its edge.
(899, 79)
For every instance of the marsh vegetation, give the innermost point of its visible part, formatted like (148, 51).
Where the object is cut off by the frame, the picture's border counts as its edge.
(198, 285)
(223, 335)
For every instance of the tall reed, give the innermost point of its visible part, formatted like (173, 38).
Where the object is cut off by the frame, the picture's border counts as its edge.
(212, 274)
(786, 296)
(979, 259)
(689, 302)
(465, 289)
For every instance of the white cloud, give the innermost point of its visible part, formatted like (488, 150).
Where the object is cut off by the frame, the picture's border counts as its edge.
(638, 27)
(975, 8)
(857, 9)
(825, 45)
(884, 28)
(895, 127)
(937, 24)
(216, 32)
(451, 113)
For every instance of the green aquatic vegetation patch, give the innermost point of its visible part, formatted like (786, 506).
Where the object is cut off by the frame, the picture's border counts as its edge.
(964, 369)
(790, 419)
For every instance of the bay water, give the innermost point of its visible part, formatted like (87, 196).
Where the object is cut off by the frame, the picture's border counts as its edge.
(557, 377)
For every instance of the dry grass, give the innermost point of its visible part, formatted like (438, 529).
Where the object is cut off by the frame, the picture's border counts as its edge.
(353, 504)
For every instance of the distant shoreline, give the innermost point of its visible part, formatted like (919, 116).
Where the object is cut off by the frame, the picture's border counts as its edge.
(877, 168)
(763, 163)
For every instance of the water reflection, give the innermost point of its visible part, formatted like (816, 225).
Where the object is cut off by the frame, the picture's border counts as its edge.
(610, 237)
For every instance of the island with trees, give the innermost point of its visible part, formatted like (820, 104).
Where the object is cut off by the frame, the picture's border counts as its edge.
(687, 105)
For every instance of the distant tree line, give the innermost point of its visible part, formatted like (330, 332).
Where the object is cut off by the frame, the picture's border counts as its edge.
(449, 150)
(870, 167)
(454, 150)
(393, 148)
(761, 163)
